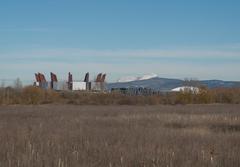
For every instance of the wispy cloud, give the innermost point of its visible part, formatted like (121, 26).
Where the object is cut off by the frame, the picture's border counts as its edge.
(202, 64)
(11, 29)
(234, 46)
(114, 71)
(74, 53)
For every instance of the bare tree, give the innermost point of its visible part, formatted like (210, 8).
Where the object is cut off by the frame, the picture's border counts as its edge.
(18, 84)
(2, 84)
(192, 82)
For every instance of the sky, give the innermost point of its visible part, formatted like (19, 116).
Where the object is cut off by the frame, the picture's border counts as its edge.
(171, 38)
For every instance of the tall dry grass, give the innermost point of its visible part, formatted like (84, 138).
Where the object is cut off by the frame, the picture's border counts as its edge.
(120, 136)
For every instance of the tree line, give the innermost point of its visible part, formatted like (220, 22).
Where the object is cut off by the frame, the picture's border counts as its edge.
(19, 94)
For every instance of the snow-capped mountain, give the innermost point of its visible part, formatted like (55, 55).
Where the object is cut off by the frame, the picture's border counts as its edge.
(127, 79)
(132, 78)
(166, 84)
(145, 77)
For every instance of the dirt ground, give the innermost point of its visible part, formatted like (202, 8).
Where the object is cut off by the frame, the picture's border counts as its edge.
(120, 136)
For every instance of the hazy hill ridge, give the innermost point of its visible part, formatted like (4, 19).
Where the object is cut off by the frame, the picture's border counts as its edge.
(166, 84)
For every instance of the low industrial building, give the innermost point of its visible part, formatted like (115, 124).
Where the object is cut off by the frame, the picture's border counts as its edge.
(133, 91)
(79, 85)
(186, 89)
(70, 85)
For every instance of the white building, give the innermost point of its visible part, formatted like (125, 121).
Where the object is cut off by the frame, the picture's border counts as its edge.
(79, 85)
(186, 89)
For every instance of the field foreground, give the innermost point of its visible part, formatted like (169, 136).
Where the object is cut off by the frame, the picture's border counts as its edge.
(121, 136)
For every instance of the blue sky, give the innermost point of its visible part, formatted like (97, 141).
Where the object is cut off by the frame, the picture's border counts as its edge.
(177, 39)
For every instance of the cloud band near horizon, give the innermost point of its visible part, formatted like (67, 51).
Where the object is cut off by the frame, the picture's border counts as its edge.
(202, 64)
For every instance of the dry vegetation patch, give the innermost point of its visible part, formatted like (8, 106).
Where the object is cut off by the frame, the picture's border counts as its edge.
(73, 136)
(33, 96)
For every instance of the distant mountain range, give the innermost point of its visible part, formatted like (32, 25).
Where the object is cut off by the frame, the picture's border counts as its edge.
(166, 84)
(134, 78)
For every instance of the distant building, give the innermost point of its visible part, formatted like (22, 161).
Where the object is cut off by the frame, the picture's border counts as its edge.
(133, 91)
(186, 89)
(70, 85)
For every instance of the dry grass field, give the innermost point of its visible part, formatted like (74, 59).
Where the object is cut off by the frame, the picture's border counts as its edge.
(120, 136)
